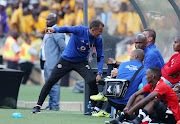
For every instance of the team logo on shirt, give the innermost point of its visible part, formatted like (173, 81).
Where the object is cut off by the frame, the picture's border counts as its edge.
(82, 48)
(59, 66)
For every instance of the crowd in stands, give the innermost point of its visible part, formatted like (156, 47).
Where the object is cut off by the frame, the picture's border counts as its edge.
(29, 16)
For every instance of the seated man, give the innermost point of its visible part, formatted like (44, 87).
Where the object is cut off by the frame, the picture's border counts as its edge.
(161, 104)
(170, 71)
(126, 71)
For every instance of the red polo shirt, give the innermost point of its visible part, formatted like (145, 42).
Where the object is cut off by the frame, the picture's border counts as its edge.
(166, 95)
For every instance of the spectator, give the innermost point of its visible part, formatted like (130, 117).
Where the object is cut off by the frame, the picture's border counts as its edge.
(79, 14)
(26, 58)
(69, 17)
(11, 50)
(161, 104)
(133, 23)
(75, 57)
(3, 23)
(43, 12)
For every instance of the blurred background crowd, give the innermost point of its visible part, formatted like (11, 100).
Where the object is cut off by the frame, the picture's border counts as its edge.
(122, 22)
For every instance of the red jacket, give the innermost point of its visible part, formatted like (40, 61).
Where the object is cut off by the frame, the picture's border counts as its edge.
(172, 67)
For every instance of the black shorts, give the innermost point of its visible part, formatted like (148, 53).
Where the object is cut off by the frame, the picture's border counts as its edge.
(159, 114)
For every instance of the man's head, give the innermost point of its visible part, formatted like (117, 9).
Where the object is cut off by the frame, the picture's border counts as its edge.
(67, 9)
(150, 35)
(137, 54)
(96, 28)
(153, 75)
(141, 42)
(14, 34)
(176, 44)
(51, 20)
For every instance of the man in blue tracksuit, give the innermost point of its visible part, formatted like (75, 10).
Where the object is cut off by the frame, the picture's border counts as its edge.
(83, 43)
(126, 71)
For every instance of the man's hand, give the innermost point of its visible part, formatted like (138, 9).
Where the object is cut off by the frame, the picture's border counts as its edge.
(176, 88)
(125, 110)
(98, 77)
(114, 72)
(49, 30)
(110, 61)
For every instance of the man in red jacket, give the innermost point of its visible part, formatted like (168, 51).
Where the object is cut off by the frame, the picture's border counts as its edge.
(170, 71)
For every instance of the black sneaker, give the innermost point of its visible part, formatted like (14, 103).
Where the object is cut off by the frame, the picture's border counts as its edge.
(121, 117)
(93, 111)
(137, 120)
(36, 109)
(112, 122)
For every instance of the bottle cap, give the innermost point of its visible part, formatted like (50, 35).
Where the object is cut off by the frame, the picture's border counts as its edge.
(16, 115)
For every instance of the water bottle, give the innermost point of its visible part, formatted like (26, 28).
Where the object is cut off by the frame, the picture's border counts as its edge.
(16, 115)
(89, 106)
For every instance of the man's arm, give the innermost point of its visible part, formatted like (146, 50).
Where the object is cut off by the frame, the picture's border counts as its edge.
(174, 69)
(112, 61)
(143, 102)
(100, 57)
(74, 29)
(132, 99)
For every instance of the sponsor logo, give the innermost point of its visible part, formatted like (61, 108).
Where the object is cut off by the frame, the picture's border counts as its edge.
(131, 67)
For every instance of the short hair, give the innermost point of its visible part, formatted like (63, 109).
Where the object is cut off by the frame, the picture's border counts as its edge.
(156, 71)
(151, 33)
(95, 24)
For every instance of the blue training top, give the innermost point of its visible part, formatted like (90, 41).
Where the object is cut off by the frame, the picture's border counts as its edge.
(78, 47)
(151, 59)
(158, 53)
(126, 71)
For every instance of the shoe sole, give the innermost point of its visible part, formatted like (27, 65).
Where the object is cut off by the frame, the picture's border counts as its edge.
(107, 122)
(35, 112)
(126, 123)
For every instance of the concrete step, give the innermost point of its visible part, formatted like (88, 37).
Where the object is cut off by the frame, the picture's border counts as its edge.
(67, 106)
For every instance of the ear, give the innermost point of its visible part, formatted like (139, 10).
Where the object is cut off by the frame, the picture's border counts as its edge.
(136, 56)
(150, 38)
(153, 76)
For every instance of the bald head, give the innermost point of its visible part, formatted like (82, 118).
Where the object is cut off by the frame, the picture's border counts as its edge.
(51, 19)
(141, 42)
(177, 38)
(137, 54)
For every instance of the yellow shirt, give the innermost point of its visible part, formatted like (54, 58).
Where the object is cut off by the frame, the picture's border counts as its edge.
(60, 22)
(122, 18)
(71, 3)
(91, 14)
(26, 24)
(69, 19)
(15, 19)
(79, 17)
(133, 23)
(42, 20)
